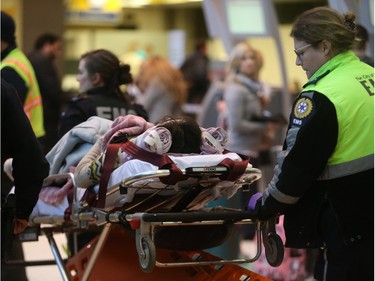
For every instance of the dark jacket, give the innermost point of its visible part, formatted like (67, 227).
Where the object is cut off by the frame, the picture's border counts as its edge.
(195, 71)
(300, 188)
(96, 102)
(51, 92)
(18, 141)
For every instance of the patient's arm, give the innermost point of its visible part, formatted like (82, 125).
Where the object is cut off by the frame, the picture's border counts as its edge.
(82, 174)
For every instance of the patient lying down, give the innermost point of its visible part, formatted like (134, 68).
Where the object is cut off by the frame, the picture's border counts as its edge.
(182, 139)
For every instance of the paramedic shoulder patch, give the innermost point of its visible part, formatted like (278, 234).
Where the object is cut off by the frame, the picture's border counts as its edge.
(302, 110)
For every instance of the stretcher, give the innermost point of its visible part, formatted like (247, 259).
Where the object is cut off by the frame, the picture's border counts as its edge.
(163, 222)
(151, 213)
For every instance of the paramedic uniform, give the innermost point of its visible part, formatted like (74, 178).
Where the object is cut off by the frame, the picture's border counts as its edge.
(324, 177)
(32, 104)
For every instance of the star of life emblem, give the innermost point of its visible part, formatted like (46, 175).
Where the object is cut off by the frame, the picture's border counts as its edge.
(303, 108)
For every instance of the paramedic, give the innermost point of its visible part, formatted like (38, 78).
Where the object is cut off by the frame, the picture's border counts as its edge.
(324, 177)
(100, 75)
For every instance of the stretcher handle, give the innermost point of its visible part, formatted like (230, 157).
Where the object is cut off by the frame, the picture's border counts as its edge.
(227, 216)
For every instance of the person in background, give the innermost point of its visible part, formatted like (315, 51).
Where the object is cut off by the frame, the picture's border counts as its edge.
(362, 42)
(323, 181)
(163, 88)
(100, 75)
(245, 97)
(30, 167)
(196, 72)
(47, 49)
(242, 116)
(17, 70)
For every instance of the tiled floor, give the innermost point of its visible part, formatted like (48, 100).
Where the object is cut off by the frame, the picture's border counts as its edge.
(41, 251)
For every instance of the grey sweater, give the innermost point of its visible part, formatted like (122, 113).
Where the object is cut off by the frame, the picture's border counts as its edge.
(243, 109)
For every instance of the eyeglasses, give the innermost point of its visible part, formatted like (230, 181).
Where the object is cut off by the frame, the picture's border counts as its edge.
(299, 53)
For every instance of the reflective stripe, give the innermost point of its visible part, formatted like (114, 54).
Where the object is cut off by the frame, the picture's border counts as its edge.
(33, 104)
(279, 196)
(28, 105)
(22, 67)
(348, 168)
(325, 264)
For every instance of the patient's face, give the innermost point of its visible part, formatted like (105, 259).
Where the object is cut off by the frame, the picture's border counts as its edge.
(85, 79)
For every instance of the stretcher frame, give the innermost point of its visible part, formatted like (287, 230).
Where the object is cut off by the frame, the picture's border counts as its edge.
(143, 223)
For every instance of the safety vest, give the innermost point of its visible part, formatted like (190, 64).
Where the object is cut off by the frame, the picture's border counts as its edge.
(349, 85)
(33, 106)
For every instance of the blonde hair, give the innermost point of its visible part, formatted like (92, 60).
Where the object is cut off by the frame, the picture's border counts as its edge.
(236, 56)
(159, 69)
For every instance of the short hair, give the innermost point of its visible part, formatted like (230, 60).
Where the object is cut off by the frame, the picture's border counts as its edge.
(46, 38)
(200, 44)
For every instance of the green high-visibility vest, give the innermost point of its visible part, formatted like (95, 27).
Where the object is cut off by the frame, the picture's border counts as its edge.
(33, 106)
(349, 85)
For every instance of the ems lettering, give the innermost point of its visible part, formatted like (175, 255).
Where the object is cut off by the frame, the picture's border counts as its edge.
(368, 85)
(104, 112)
(297, 122)
(110, 112)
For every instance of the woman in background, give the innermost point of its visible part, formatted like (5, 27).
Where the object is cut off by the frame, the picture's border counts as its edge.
(100, 75)
(245, 98)
(163, 88)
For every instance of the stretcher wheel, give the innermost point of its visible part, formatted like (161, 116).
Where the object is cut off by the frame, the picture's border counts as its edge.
(275, 251)
(146, 254)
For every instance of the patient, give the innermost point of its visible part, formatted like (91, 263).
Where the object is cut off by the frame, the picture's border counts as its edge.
(176, 136)
(169, 135)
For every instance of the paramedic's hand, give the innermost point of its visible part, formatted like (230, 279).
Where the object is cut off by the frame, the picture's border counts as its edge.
(19, 225)
(252, 205)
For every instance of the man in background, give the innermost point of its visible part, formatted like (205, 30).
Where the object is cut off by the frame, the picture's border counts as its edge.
(47, 49)
(196, 72)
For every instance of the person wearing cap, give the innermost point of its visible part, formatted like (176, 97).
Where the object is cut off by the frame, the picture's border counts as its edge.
(17, 70)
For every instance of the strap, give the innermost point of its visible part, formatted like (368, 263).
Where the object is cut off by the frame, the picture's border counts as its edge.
(109, 162)
(162, 161)
(235, 169)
